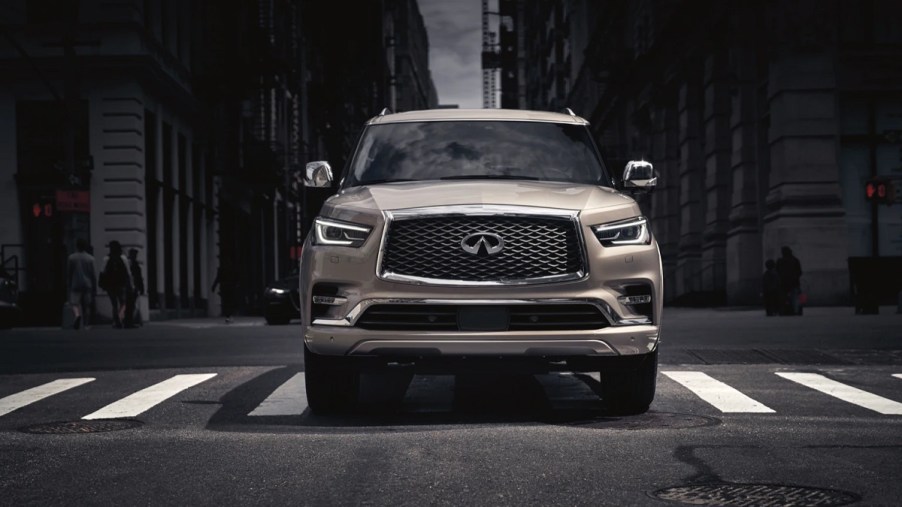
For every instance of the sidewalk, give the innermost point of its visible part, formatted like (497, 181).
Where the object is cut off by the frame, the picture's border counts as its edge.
(208, 322)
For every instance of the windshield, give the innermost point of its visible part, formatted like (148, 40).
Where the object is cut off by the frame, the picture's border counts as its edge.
(418, 151)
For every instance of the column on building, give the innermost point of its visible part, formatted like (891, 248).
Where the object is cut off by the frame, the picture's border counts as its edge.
(156, 265)
(172, 243)
(692, 205)
(717, 173)
(117, 185)
(744, 257)
(188, 290)
(665, 200)
(804, 208)
(204, 236)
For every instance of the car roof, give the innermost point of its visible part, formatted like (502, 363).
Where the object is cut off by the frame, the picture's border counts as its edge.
(477, 115)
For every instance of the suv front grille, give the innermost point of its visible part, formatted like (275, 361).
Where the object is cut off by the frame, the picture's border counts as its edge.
(444, 317)
(535, 249)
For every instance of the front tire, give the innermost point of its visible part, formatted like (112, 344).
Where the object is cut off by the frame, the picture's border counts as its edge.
(630, 392)
(332, 386)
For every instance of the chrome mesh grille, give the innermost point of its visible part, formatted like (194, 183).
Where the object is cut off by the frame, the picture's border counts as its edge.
(534, 248)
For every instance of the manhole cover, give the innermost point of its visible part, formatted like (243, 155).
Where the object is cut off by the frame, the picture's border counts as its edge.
(649, 420)
(755, 494)
(70, 427)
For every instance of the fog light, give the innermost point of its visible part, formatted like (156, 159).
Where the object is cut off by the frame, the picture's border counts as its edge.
(634, 300)
(329, 300)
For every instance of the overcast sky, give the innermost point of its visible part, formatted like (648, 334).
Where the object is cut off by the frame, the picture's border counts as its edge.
(455, 44)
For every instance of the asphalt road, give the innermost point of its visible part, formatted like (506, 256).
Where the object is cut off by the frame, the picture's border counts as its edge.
(738, 420)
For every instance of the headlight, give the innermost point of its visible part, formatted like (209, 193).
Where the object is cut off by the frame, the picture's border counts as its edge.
(633, 231)
(330, 232)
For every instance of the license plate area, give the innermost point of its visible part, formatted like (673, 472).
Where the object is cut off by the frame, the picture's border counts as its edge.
(483, 318)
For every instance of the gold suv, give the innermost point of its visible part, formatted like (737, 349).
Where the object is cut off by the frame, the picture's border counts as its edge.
(480, 239)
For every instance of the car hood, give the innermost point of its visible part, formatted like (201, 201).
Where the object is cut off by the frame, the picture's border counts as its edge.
(397, 196)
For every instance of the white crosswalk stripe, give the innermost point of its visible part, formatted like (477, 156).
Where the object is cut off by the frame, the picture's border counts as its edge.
(438, 393)
(845, 392)
(27, 397)
(145, 399)
(289, 398)
(720, 395)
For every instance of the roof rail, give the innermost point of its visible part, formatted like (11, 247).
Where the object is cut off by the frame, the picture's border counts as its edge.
(385, 111)
(569, 111)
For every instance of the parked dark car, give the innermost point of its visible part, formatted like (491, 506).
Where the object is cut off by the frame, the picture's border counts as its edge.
(9, 312)
(280, 301)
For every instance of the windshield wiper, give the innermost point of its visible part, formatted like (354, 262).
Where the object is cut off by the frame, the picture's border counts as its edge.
(488, 177)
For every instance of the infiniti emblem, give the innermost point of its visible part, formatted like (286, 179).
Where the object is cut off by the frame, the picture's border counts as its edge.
(482, 243)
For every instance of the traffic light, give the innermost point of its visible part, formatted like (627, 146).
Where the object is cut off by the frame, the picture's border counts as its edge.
(880, 190)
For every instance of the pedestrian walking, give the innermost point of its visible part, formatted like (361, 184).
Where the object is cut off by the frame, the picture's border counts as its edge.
(116, 281)
(225, 280)
(132, 312)
(772, 289)
(81, 281)
(790, 270)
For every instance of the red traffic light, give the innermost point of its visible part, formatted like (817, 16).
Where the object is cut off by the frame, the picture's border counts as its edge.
(880, 191)
(870, 190)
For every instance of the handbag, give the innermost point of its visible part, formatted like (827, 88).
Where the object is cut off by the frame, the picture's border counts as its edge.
(102, 280)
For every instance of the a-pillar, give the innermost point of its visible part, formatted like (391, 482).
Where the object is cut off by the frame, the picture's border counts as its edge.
(804, 210)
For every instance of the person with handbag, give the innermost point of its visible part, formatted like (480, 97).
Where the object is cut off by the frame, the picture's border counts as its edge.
(116, 281)
(132, 312)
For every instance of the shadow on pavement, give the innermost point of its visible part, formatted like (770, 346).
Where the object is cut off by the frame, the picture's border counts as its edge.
(467, 399)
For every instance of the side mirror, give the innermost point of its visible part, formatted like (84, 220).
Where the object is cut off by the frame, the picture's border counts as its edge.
(639, 175)
(318, 174)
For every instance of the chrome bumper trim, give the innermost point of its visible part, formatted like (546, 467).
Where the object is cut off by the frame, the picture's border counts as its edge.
(351, 318)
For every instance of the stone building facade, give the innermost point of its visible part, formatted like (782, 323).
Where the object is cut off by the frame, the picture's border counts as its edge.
(179, 128)
(764, 121)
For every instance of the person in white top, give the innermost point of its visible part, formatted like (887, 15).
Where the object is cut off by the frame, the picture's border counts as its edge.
(81, 283)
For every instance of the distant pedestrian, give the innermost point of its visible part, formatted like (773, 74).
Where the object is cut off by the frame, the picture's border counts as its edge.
(227, 283)
(790, 270)
(116, 281)
(132, 312)
(772, 289)
(80, 282)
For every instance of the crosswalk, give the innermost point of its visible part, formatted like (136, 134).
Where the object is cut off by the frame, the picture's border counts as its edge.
(430, 394)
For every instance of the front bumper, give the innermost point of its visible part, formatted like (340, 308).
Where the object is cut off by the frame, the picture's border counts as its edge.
(350, 275)
(611, 341)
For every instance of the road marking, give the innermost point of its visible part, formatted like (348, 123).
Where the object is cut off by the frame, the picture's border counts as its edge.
(846, 393)
(289, 398)
(723, 397)
(145, 399)
(27, 397)
(897, 375)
